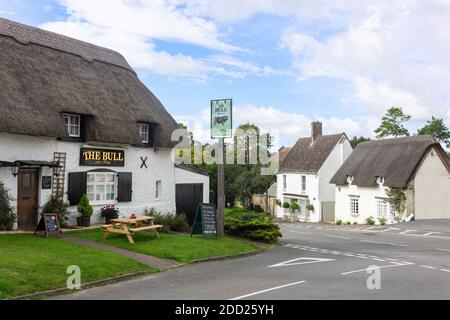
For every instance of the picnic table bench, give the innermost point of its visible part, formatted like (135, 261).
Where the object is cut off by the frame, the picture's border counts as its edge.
(129, 226)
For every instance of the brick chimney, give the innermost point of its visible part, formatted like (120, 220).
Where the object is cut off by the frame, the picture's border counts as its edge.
(316, 130)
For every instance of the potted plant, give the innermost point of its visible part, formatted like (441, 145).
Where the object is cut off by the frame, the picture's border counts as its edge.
(7, 214)
(109, 213)
(310, 207)
(278, 202)
(286, 205)
(85, 210)
(294, 206)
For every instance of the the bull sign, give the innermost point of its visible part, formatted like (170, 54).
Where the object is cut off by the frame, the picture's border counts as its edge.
(221, 118)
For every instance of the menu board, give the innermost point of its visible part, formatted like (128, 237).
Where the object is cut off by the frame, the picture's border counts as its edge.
(49, 225)
(205, 220)
(209, 219)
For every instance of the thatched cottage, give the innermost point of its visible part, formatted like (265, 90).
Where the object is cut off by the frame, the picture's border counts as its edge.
(75, 119)
(416, 166)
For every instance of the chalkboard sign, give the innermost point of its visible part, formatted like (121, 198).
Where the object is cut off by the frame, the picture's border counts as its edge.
(205, 221)
(46, 182)
(49, 225)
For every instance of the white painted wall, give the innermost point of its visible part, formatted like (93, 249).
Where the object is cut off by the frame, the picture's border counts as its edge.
(186, 177)
(367, 202)
(432, 188)
(160, 167)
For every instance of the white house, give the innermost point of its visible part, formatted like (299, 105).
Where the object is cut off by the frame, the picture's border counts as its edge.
(75, 119)
(416, 165)
(304, 174)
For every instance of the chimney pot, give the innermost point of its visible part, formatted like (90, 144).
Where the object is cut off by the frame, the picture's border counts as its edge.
(316, 130)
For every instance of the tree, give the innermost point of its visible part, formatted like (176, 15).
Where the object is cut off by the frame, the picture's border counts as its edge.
(438, 129)
(392, 124)
(355, 141)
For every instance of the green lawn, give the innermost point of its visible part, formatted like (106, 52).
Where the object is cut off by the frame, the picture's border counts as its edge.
(181, 248)
(30, 264)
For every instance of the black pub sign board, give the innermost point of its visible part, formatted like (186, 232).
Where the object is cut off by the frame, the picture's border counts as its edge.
(205, 221)
(102, 157)
(49, 225)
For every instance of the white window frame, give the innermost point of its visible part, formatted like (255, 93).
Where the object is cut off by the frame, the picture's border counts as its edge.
(303, 183)
(73, 124)
(144, 132)
(97, 183)
(158, 189)
(284, 182)
(383, 209)
(354, 205)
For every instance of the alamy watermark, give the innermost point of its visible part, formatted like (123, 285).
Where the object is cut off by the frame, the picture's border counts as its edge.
(246, 147)
(374, 280)
(74, 278)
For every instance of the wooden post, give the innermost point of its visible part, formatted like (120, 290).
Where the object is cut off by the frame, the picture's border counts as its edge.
(220, 188)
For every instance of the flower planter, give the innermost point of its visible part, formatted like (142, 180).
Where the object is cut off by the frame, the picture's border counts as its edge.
(83, 221)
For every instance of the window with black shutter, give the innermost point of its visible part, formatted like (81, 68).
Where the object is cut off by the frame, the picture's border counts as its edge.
(77, 187)
(125, 182)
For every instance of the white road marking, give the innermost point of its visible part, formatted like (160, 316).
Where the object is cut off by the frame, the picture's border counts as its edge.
(446, 270)
(407, 231)
(338, 237)
(298, 261)
(430, 233)
(446, 250)
(301, 232)
(387, 243)
(267, 290)
(428, 267)
(381, 267)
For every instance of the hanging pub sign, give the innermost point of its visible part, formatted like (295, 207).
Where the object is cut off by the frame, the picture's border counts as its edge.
(205, 221)
(102, 157)
(221, 118)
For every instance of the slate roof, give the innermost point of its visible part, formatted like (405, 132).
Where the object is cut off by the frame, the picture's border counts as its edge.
(307, 157)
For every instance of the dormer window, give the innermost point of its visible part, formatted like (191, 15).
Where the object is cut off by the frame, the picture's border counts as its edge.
(144, 132)
(380, 180)
(73, 124)
(349, 179)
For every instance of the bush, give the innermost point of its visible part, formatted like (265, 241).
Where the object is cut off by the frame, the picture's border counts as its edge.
(179, 223)
(258, 208)
(382, 221)
(348, 223)
(286, 205)
(7, 214)
(161, 219)
(55, 205)
(370, 221)
(355, 222)
(252, 225)
(339, 222)
(84, 208)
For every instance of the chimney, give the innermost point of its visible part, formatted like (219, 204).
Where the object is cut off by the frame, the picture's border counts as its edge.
(316, 130)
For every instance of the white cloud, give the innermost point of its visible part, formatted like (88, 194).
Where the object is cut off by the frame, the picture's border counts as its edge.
(394, 52)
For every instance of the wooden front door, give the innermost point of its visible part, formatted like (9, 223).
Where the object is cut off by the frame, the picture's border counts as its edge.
(27, 198)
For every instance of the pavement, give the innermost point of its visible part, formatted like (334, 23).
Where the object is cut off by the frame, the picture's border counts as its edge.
(314, 261)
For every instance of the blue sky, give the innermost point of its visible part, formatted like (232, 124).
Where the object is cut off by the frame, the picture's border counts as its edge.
(284, 63)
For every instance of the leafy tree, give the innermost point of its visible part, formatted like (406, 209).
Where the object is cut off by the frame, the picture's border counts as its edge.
(392, 124)
(438, 129)
(7, 214)
(357, 140)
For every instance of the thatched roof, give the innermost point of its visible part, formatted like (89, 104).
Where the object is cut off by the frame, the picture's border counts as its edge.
(394, 159)
(306, 156)
(43, 74)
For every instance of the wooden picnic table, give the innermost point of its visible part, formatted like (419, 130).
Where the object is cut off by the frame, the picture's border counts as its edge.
(129, 226)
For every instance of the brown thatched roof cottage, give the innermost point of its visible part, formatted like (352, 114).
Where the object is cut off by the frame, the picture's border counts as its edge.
(417, 166)
(75, 119)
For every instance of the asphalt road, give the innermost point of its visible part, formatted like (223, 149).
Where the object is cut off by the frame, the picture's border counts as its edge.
(313, 262)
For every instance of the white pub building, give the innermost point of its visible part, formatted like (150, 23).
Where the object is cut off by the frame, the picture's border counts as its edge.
(75, 119)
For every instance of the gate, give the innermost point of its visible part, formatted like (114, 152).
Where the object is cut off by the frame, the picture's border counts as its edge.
(328, 214)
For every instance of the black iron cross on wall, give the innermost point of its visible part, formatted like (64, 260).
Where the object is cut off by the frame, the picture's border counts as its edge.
(144, 162)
